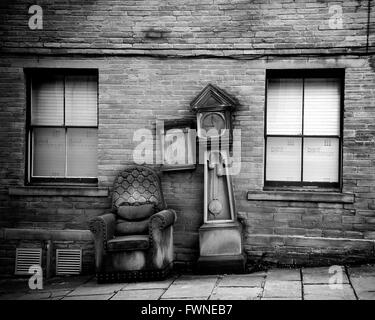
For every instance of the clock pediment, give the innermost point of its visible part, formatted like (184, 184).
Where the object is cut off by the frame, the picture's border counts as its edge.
(212, 98)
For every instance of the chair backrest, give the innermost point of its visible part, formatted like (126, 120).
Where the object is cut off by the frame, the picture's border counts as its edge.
(137, 184)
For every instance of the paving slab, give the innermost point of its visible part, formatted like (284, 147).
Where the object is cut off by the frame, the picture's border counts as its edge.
(190, 287)
(323, 275)
(164, 284)
(364, 286)
(366, 295)
(67, 282)
(241, 281)
(93, 288)
(44, 295)
(90, 297)
(284, 274)
(14, 285)
(362, 271)
(282, 289)
(187, 298)
(283, 298)
(149, 294)
(237, 293)
(11, 296)
(328, 292)
(197, 278)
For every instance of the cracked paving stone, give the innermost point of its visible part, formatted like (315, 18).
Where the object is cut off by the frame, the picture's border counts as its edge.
(236, 293)
(44, 295)
(282, 289)
(328, 292)
(94, 288)
(149, 294)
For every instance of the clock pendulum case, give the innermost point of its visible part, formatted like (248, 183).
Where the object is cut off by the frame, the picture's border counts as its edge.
(220, 236)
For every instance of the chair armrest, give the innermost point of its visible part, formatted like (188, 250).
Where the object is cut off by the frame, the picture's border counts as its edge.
(103, 227)
(163, 219)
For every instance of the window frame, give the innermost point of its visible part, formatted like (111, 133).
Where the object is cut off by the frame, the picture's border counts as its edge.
(29, 74)
(305, 74)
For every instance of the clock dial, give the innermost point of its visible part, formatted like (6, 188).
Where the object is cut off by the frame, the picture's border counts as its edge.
(213, 121)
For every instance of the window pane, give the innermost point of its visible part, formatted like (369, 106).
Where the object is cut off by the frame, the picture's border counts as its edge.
(81, 100)
(284, 106)
(283, 159)
(49, 152)
(322, 107)
(175, 147)
(82, 152)
(47, 101)
(321, 160)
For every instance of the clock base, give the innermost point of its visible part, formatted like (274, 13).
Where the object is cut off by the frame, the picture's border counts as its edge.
(221, 264)
(220, 246)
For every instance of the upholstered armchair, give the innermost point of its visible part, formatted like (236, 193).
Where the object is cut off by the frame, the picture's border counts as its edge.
(134, 241)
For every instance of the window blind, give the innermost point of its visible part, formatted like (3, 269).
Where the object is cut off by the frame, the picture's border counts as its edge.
(321, 159)
(322, 107)
(49, 152)
(47, 101)
(284, 106)
(283, 159)
(81, 100)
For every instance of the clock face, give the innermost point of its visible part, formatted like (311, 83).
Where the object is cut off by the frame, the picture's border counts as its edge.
(214, 121)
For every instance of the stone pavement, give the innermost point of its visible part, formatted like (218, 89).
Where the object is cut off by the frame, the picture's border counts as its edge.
(323, 283)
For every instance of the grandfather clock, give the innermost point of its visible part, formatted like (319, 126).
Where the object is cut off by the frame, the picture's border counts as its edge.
(220, 236)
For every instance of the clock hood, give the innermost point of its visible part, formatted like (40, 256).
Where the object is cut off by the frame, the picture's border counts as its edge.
(212, 98)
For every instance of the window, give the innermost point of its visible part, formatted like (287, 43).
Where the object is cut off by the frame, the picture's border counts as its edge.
(303, 128)
(62, 126)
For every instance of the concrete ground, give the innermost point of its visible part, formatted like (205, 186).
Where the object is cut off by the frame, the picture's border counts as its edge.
(323, 283)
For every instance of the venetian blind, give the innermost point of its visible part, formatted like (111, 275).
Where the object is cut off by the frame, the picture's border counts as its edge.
(283, 159)
(321, 160)
(48, 152)
(284, 106)
(82, 152)
(47, 101)
(81, 100)
(322, 107)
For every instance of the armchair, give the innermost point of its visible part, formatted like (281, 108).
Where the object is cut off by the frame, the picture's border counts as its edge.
(135, 240)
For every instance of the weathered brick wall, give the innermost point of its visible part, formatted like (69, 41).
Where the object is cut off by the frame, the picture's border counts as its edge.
(135, 91)
(194, 24)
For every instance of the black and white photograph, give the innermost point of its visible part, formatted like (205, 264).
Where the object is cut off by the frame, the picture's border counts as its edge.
(187, 155)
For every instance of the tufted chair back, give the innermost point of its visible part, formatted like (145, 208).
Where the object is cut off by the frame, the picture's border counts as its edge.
(137, 184)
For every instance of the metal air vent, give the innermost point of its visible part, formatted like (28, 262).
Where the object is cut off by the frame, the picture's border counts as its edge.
(25, 258)
(68, 261)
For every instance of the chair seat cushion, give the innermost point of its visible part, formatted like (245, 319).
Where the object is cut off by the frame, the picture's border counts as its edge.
(125, 228)
(136, 211)
(135, 242)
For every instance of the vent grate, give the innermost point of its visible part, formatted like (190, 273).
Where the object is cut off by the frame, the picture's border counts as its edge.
(25, 258)
(68, 261)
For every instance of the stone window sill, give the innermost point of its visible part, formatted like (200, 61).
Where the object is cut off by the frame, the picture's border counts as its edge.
(298, 196)
(58, 191)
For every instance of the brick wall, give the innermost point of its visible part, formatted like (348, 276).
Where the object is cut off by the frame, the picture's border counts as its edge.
(204, 24)
(135, 89)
